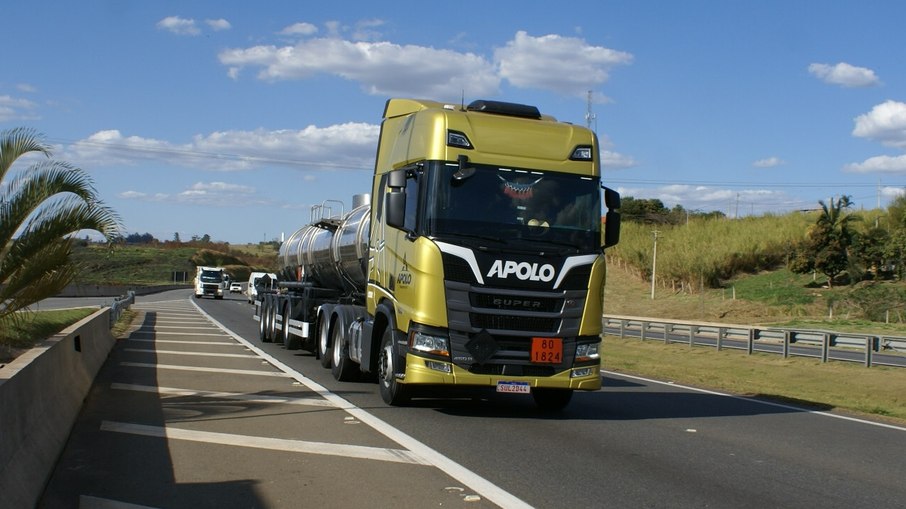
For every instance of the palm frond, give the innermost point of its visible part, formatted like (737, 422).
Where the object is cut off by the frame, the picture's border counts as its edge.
(14, 143)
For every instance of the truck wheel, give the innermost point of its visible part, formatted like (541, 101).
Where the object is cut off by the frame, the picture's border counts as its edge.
(551, 400)
(262, 323)
(271, 321)
(324, 351)
(392, 391)
(343, 368)
(290, 342)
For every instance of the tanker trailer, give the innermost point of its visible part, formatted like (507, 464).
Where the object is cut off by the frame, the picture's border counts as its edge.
(323, 264)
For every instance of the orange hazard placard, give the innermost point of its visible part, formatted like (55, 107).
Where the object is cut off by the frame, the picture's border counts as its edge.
(547, 350)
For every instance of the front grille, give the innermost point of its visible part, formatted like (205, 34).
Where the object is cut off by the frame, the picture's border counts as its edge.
(512, 370)
(499, 302)
(514, 323)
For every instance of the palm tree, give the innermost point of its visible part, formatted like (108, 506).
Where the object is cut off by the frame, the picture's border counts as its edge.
(40, 208)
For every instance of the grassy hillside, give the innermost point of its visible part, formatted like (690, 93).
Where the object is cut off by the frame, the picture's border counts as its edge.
(155, 264)
(776, 297)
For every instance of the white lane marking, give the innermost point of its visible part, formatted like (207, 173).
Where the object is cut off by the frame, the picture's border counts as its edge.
(482, 486)
(761, 402)
(238, 396)
(199, 354)
(87, 502)
(160, 333)
(177, 342)
(206, 370)
(273, 444)
(202, 326)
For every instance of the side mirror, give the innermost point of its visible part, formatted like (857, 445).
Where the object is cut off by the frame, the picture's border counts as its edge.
(395, 204)
(396, 208)
(612, 218)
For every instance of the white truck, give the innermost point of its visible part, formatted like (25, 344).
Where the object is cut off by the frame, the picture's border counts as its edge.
(211, 281)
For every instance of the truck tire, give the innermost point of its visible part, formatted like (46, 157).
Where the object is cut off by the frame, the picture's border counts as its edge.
(290, 342)
(271, 323)
(551, 400)
(392, 391)
(324, 351)
(262, 323)
(343, 368)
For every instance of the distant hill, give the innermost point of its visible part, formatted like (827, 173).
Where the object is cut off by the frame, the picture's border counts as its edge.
(161, 264)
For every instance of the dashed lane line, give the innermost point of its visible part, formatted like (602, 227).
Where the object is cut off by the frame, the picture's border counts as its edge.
(197, 354)
(237, 396)
(273, 444)
(161, 333)
(252, 372)
(177, 342)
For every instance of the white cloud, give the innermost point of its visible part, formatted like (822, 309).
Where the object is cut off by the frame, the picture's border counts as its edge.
(892, 192)
(769, 162)
(879, 164)
(566, 65)
(365, 30)
(704, 198)
(26, 87)
(382, 68)
(300, 29)
(342, 146)
(845, 75)
(178, 25)
(616, 161)
(218, 24)
(12, 108)
(886, 123)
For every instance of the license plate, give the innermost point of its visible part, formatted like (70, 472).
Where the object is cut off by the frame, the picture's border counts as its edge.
(514, 387)
(547, 350)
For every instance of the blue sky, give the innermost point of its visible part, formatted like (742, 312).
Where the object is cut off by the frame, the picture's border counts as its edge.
(233, 119)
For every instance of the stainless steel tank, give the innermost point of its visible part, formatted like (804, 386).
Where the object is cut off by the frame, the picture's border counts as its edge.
(331, 252)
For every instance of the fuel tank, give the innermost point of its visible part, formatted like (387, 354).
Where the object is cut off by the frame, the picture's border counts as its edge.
(331, 252)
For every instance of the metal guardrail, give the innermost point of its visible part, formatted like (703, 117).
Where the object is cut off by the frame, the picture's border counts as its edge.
(876, 349)
(119, 305)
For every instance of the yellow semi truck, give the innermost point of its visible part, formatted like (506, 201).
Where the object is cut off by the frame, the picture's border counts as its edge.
(476, 260)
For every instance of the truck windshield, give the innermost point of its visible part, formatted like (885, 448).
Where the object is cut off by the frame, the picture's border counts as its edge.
(211, 276)
(526, 209)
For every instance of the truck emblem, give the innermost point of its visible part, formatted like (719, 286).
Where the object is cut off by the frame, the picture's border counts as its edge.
(523, 270)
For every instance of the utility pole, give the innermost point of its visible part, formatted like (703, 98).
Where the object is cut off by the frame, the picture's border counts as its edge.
(654, 265)
(589, 116)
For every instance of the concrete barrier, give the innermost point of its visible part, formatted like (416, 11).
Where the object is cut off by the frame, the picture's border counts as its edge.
(41, 394)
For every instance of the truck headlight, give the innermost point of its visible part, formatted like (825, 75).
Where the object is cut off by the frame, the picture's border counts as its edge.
(587, 352)
(428, 343)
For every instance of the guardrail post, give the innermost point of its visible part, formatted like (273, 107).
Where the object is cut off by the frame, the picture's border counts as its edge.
(869, 346)
(668, 328)
(825, 346)
(622, 329)
(693, 330)
(786, 343)
(721, 332)
(751, 344)
(643, 329)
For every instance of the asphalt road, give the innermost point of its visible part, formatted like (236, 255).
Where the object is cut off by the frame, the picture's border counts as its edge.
(634, 443)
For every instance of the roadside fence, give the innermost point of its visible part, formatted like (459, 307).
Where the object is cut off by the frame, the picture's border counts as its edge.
(869, 349)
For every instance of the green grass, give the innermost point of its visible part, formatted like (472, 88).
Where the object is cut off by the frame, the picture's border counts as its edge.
(33, 328)
(155, 264)
(848, 387)
(132, 265)
(776, 288)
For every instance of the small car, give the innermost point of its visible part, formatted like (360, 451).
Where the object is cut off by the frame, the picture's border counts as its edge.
(235, 287)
